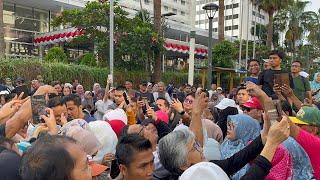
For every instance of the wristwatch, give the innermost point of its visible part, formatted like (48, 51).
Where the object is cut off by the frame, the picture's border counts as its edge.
(182, 113)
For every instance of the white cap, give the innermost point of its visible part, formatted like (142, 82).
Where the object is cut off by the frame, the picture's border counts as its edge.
(219, 88)
(303, 74)
(225, 102)
(204, 171)
(266, 60)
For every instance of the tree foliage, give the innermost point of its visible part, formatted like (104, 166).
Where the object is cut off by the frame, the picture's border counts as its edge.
(224, 54)
(56, 54)
(135, 40)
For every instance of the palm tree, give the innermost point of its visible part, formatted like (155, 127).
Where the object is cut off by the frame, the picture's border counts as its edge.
(296, 21)
(271, 7)
(2, 43)
(157, 27)
(221, 21)
(313, 27)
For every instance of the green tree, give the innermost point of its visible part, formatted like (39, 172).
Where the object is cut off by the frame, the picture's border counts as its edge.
(294, 19)
(133, 37)
(224, 54)
(56, 54)
(88, 60)
(313, 27)
(271, 7)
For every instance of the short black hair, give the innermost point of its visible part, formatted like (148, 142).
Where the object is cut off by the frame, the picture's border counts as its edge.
(297, 61)
(121, 88)
(166, 103)
(53, 83)
(278, 53)
(46, 157)
(55, 101)
(129, 145)
(191, 94)
(72, 97)
(128, 80)
(242, 87)
(253, 60)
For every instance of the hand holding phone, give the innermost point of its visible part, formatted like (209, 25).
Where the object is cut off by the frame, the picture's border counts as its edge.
(38, 105)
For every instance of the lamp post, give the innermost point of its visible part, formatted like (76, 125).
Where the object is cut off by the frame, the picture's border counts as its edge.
(163, 35)
(211, 9)
(111, 39)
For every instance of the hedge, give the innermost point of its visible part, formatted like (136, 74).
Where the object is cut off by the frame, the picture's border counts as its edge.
(30, 68)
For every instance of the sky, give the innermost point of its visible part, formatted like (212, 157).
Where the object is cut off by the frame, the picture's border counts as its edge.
(314, 5)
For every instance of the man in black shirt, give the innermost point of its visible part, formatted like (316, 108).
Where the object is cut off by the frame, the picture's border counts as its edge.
(143, 93)
(266, 78)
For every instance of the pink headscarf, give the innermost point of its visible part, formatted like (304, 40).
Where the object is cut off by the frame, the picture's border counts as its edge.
(281, 165)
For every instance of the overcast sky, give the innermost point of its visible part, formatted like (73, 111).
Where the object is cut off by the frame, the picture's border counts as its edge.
(314, 5)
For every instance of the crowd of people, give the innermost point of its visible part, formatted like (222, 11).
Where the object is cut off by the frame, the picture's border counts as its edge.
(266, 128)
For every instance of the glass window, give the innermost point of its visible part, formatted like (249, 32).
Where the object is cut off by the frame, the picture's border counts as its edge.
(183, 2)
(175, 10)
(166, 8)
(183, 13)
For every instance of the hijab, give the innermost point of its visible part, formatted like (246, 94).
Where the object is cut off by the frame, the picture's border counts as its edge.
(246, 130)
(315, 85)
(213, 130)
(302, 168)
(281, 165)
(106, 136)
(204, 171)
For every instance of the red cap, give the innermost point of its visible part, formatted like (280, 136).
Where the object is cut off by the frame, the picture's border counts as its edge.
(116, 125)
(162, 116)
(253, 103)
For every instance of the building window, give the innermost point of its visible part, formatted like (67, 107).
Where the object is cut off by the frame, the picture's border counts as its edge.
(183, 13)
(147, 1)
(232, 5)
(166, 8)
(183, 2)
(215, 29)
(235, 16)
(175, 1)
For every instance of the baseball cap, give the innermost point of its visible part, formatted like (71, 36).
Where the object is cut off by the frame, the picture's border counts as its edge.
(97, 169)
(224, 103)
(253, 103)
(219, 88)
(307, 116)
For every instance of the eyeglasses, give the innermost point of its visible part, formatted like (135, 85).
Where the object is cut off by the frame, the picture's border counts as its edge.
(188, 101)
(246, 109)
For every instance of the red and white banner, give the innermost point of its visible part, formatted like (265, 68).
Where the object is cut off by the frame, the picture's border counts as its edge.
(183, 48)
(57, 36)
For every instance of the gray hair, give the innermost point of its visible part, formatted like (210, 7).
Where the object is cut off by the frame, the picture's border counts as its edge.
(173, 150)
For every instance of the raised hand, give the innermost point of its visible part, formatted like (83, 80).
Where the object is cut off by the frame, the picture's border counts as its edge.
(279, 131)
(50, 121)
(177, 105)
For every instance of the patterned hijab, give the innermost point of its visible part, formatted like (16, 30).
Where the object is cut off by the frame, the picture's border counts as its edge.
(247, 129)
(302, 168)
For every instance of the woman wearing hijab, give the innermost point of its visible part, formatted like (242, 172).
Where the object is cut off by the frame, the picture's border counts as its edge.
(242, 129)
(315, 87)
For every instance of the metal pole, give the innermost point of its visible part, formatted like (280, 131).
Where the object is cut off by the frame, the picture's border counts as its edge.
(241, 23)
(254, 31)
(210, 54)
(232, 19)
(248, 25)
(192, 41)
(111, 38)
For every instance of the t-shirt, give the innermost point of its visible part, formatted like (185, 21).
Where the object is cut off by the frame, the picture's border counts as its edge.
(251, 79)
(301, 85)
(266, 80)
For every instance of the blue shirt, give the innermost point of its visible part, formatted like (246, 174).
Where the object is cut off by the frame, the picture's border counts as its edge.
(251, 79)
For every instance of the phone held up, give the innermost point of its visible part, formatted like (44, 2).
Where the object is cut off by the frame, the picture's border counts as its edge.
(39, 105)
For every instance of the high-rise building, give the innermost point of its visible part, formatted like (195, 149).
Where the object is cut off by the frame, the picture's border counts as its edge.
(239, 16)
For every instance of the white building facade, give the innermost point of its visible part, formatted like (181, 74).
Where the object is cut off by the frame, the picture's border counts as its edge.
(240, 16)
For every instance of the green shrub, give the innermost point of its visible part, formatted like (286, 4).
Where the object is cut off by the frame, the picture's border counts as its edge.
(56, 54)
(88, 60)
(87, 76)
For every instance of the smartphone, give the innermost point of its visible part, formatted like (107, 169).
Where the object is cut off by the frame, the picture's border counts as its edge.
(278, 106)
(174, 96)
(281, 79)
(38, 105)
(114, 169)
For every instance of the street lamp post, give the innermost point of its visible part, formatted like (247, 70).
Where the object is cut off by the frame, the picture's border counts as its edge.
(163, 35)
(211, 9)
(111, 39)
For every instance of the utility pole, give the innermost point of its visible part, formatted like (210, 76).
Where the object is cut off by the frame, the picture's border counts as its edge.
(111, 38)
